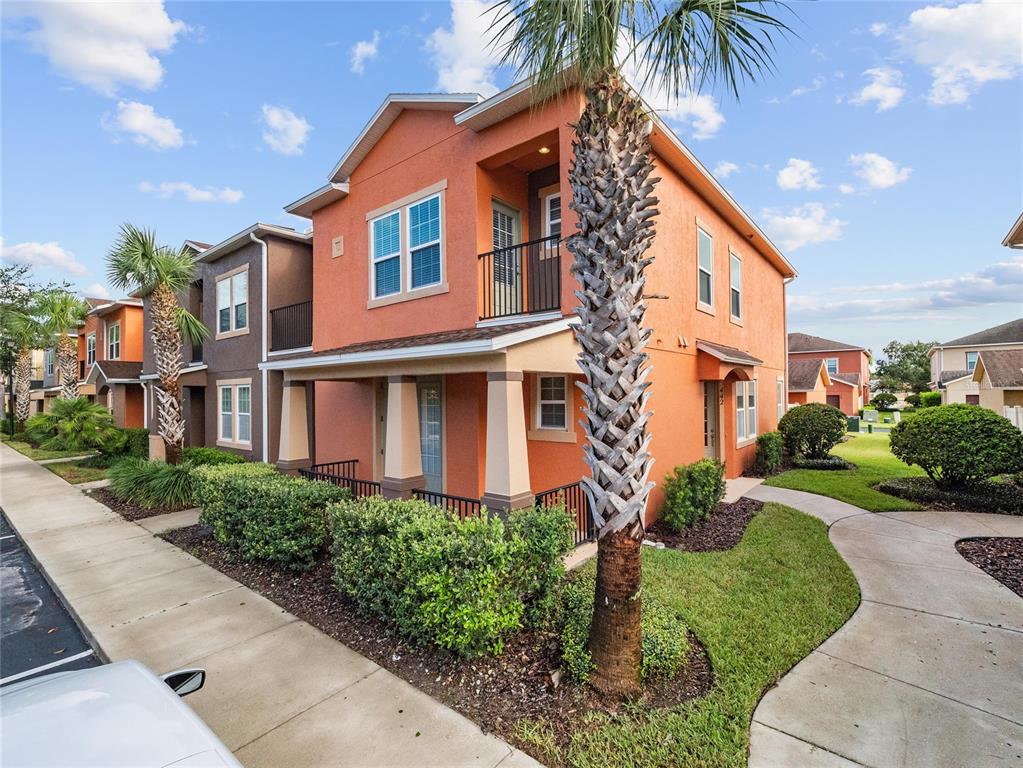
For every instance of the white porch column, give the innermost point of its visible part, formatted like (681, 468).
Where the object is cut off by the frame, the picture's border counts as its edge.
(507, 473)
(403, 459)
(294, 442)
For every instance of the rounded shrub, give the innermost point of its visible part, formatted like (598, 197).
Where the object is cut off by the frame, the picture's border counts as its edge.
(959, 445)
(883, 400)
(202, 456)
(812, 430)
(769, 453)
(691, 492)
(930, 399)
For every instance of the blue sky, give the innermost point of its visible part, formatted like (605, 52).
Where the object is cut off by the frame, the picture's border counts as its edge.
(884, 156)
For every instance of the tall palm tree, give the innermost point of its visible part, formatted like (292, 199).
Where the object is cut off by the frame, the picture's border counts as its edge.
(27, 334)
(63, 312)
(161, 273)
(678, 46)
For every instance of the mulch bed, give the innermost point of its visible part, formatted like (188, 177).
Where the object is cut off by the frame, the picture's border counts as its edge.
(1000, 558)
(493, 691)
(127, 509)
(720, 531)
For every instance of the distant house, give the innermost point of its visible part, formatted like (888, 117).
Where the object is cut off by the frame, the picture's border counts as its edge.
(999, 376)
(808, 381)
(847, 367)
(110, 359)
(954, 362)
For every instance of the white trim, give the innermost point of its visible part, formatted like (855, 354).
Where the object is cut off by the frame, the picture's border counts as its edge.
(402, 208)
(292, 351)
(232, 304)
(264, 349)
(182, 372)
(92, 337)
(106, 339)
(233, 385)
(235, 241)
(425, 351)
(554, 314)
(545, 201)
(733, 257)
(706, 306)
(827, 361)
(307, 205)
(539, 402)
(747, 437)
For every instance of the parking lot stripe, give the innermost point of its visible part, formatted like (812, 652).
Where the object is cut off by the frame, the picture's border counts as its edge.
(43, 667)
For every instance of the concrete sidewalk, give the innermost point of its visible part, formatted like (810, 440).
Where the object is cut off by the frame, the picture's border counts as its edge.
(280, 692)
(927, 672)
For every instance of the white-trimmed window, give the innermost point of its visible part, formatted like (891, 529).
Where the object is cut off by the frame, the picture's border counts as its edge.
(552, 215)
(406, 253)
(552, 402)
(735, 287)
(233, 302)
(780, 394)
(704, 269)
(90, 349)
(48, 361)
(234, 411)
(114, 341)
(832, 363)
(745, 410)
(971, 360)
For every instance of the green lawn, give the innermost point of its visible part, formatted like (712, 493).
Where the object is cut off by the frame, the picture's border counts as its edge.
(75, 473)
(38, 454)
(874, 462)
(758, 609)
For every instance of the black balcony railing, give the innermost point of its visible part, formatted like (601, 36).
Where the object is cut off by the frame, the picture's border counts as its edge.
(291, 327)
(521, 279)
(342, 474)
(460, 505)
(576, 504)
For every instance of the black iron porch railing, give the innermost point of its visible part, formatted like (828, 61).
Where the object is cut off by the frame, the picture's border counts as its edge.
(291, 327)
(521, 279)
(460, 505)
(343, 468)
(576, 504)
(342, 474)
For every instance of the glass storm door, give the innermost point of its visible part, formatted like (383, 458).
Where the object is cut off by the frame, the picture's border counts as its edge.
(430, 436)
(507, 262)
(710, 419)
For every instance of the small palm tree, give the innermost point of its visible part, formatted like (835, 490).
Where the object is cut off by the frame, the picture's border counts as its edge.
(63, 312)
(137, 264)
(678, 46)
(27, 334)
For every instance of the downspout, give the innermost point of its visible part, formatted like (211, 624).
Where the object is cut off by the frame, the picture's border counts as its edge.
(145, 404)
(263, 312)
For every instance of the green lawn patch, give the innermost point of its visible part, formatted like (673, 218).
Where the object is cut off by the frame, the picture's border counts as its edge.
(758, 609)
(874, 462)
(38, 454)
(74, 472)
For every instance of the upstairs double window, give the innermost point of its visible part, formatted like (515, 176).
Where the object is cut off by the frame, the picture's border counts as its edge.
(233, 302)
(90, 349)
(405, 248)
(114, 341)
(704, 270)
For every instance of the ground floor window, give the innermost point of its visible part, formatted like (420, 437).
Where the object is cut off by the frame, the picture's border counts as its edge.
(745, 410)
(552, 403)
(235, 413)
(780, 394)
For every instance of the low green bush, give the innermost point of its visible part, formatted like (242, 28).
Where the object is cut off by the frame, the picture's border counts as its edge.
(883, 400)
(665, 641)
(543, 536)
(959, 445)
(692, 492)
(930, 399)
(151, 483)
(813, 429)
(266, 515)
(136, 442)
(986, 496)
(208, 483)
(201, 456)
(73, 425)
(770, 448)
(829, 462)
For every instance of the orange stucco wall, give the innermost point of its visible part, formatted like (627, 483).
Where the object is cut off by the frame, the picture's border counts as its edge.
(134, 409)
(132, 336)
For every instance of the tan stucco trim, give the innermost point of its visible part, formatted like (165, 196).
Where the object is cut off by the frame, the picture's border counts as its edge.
(433, 189)
(507, 462)
(294, 439)
(411, 295)
(402, 456)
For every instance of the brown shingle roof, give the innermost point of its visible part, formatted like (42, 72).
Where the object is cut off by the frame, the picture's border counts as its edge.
(947, 376)
(728, 354)
(803, 374)
(119, 369)
(853, 379)
(1006, 333)
(1004, 367)
(804, 342)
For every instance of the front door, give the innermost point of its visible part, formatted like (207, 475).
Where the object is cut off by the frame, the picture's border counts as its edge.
(430, 435)
(507, 261)
(381, 429)
(710, 419)
(835, 401)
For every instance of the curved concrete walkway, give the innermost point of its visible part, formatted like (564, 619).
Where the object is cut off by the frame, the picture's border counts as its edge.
(929, 669)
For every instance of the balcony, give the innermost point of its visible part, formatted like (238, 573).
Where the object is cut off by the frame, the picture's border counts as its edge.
(291, 327)
(522, 279)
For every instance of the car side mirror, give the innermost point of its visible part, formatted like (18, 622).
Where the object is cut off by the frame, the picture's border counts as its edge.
(185, 681)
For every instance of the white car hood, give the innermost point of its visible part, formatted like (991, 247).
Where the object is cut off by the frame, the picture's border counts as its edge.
(113, 716)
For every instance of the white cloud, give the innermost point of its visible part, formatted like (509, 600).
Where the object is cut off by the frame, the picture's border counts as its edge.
(192, 193)
(878, 171)
(817, 83)
(42, 255)
(846, 189)
(462, 55)
(806, 225)
(363, 51)
(96, 291)
(965, 46)
(885, 88)
(285, 131)
(798, 174)
(698, 111)
(725, 168)
(102, 45)
(878, 29)
(144, 126)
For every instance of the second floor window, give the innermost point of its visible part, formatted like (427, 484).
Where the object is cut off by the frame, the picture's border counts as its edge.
(552, 211)
(114, 341)
(424, 242)
(405, 248)
(705, 268)
(90, 349)
(48, 362)
(832, 363)
(971, 360)
(233, 302)
(735, 291)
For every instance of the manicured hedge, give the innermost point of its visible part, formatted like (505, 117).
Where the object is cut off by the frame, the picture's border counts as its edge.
(1004, 498)
(203, 456)
(829, 462)
(265, 515)
(461, 584)
(691, 492)
(930, 399)
(813, 429)
(545, 537)
(959, 445)
(770, 451)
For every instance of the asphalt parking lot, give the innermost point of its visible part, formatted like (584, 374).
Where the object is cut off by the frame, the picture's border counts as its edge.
(37, 635)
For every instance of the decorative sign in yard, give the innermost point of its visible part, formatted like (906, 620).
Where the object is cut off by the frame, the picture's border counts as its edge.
(870, 416)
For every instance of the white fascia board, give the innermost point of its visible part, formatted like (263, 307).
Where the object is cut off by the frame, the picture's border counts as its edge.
(242, 238)
(325, 195)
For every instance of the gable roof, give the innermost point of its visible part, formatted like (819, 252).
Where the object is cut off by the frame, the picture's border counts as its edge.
(1004, 367)
(805, 373)
(946, 377)
(1006, 333)
(109, 305)
(852, 379)
(804, 342)
(236, 241)
(114, 371)
(728, 354)
(1015, 237)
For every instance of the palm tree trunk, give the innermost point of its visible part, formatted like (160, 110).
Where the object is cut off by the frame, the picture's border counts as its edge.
(167, 349)
(612, 193)
(67, 362)
(22, 386)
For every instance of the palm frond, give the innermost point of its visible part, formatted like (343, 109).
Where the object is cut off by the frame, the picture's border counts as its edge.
(192, 329)
(174, 268)
(62, 311)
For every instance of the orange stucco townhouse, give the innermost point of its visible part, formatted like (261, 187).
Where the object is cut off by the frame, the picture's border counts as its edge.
(443, 360)
(847, 367)
(110, 359)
